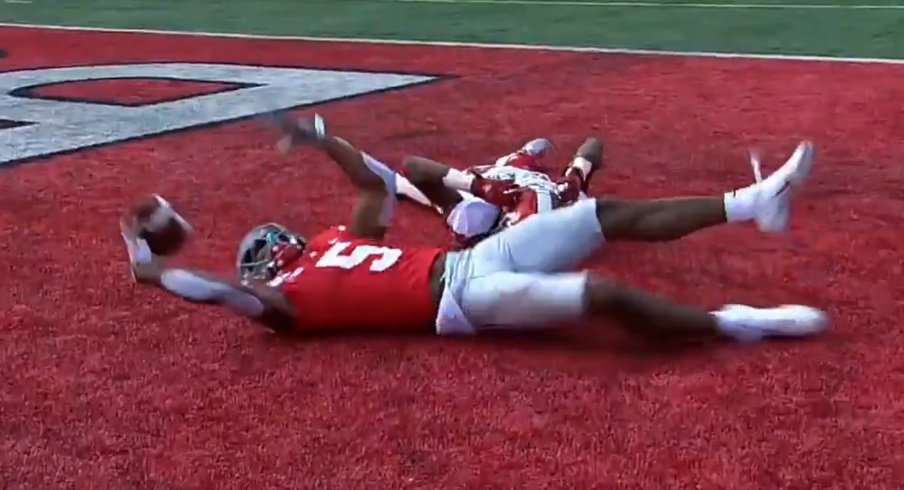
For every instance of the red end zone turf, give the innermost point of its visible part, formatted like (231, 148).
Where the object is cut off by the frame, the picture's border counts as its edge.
(106, 385)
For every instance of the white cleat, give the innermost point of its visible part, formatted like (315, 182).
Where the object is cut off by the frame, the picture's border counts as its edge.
(318, 124)
(749, 324)
(776, 191)
(303, 130)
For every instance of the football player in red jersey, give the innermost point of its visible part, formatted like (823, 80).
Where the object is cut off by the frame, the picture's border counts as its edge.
(485, 199)
(350, 278)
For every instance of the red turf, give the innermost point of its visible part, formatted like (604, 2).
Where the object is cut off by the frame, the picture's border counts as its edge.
(132, 91)
(107, 385)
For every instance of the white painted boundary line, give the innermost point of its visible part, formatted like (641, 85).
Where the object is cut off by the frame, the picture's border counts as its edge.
(670, 5)
(397, 42)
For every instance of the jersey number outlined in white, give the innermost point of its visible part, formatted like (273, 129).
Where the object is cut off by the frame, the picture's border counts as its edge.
(336, 256)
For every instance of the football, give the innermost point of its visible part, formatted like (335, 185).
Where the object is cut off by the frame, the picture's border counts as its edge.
(164, 229)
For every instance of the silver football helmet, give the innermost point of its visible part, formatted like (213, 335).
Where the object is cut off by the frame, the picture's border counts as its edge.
(257, 254)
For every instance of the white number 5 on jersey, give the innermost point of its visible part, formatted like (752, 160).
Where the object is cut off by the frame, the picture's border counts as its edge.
(339, 256)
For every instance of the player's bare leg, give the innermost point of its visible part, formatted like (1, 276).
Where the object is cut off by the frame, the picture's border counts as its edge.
(508, 300)
(649, 313)
(764, 202)
(636, 308)
(429, 177)
(539, 247)
(375, 181)
(557, 241)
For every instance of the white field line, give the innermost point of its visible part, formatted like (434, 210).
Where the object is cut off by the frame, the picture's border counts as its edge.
(397, 42)
(670, 5)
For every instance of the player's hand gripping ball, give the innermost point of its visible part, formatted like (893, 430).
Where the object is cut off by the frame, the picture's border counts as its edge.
(161, 226)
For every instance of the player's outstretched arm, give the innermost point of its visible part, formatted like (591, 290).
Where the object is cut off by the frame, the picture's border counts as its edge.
(429, 177)
(443, 184)
(260, 303)
(372, 213)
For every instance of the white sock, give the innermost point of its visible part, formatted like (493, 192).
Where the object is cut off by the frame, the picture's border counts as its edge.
(732, 326)
(388, 176)
(740, 205)
(583, 165)
(407, 189)
(458, 180)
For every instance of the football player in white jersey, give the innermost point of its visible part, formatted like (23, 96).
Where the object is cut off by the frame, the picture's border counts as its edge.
(487, 198)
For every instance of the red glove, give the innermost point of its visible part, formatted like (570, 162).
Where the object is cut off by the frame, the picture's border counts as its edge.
(502, 193)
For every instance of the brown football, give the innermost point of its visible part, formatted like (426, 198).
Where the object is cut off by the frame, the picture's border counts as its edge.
(161, 226)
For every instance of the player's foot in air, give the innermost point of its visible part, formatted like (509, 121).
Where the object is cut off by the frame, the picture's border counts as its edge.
(768, 202)
(778, 189)
(298, 131)
(528, 156)
(746, 323)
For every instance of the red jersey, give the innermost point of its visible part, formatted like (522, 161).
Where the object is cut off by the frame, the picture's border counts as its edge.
(345, 281)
